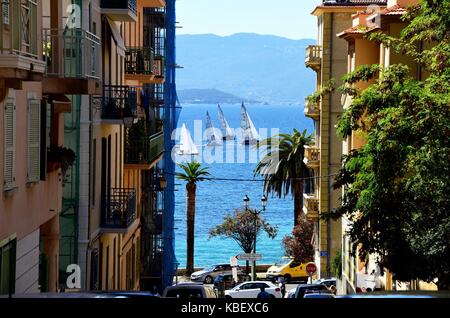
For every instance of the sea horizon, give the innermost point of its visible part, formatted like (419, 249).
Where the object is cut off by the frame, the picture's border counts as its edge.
(217, 198)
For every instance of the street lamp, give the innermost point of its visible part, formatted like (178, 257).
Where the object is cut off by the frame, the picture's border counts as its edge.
(256, 214)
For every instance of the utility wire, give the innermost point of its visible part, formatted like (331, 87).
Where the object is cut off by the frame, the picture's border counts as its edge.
(260, 180)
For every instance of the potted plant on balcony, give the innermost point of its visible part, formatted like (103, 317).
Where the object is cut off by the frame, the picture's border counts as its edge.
(60, 157)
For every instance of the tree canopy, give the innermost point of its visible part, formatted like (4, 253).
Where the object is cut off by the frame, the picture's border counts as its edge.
(240, 227)
(396, 185)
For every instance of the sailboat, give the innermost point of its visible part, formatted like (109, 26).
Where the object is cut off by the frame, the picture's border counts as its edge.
(227, 132)
(186, 146)
(211, 136)
(250, 134)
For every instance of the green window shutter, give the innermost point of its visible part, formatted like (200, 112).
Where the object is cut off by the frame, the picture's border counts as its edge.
(34, 140)
(9, 145)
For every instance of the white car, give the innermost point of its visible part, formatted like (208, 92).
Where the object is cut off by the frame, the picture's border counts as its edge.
(252, 289)
(291, 293)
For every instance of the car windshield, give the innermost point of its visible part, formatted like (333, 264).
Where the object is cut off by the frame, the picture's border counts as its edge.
(209, 269)
(283, 261)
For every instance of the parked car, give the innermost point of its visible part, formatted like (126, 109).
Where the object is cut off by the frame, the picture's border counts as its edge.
(289, 269)
(82, 295)
(399, 294)
(327, 282)
(225, 281)
(318, 295)
(252, 289)
(304, 288)
(291, 293)
(189, 291)
(208, 274)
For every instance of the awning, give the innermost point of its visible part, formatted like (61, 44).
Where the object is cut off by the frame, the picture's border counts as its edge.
(117, 37)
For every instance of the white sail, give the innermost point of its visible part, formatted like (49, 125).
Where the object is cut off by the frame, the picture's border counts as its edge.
(227, 132)
(211, 136)
(253, 131)
(250, 134)
(187, 146)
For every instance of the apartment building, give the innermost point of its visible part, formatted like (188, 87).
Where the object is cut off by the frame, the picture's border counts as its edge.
(357, 273)
(31, 156)
(329, 60)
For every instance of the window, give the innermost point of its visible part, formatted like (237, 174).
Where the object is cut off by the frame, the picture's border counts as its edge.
(34, 141)
(23, 20)
(9, 173)
(8, 268)
(5, 12)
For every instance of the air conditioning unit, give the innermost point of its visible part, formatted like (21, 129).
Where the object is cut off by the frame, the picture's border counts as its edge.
(5, 12)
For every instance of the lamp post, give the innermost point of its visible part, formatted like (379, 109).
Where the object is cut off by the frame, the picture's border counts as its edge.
(256, 214)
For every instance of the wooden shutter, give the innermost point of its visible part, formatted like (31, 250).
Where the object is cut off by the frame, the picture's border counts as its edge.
(9, 145)
(34, 140)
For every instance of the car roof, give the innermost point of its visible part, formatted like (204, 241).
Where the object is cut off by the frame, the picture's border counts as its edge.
(321, 295)
(310, 285)
(66, 295)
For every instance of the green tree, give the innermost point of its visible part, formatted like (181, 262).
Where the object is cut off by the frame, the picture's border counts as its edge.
(397, 185)
(240, 227)
(283, 168)
(193, 174)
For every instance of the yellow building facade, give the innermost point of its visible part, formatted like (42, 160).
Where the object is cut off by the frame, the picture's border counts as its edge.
(357, 274)
(329, 60)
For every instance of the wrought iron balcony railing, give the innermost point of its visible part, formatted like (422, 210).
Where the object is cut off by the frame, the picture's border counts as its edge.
(120, 4)
(71, 53)
(312, 157)
(139, 61)
(144, 150)
(313, 57)
(119, 209)
(155, 95)
(118, 101)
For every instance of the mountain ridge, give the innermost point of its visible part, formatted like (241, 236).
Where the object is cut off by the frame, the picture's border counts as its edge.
(258, 67)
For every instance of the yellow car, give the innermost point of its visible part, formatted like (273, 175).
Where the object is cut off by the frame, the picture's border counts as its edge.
(289, 269)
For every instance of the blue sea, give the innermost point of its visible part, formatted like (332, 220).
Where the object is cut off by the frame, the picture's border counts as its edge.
(217, 198)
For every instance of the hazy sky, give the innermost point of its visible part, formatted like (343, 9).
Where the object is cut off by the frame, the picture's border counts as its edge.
(286, 18)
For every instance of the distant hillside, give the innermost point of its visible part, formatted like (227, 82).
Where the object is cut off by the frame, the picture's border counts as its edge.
(257, 67)
(209, 96)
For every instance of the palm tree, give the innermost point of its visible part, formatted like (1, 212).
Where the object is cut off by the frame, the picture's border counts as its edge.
(283, 168)
(193, 173)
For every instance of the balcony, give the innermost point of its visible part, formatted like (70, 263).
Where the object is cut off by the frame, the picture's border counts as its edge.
(139, 64)
(118, 210)
(144, 152)
(312, 109)
(158, 70)
(312, 157)
(154, 95)
(313, 58)
(153, 3)
(20, 51)
(117, 103)
(120, 10)
(311, 206)
(72, 62)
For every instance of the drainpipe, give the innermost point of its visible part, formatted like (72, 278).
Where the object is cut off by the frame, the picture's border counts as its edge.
(329, 150)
